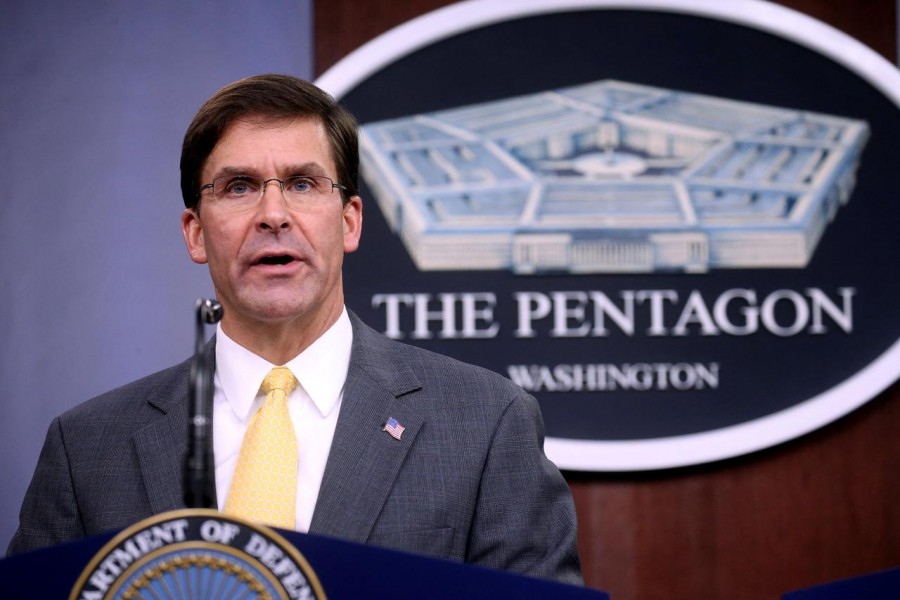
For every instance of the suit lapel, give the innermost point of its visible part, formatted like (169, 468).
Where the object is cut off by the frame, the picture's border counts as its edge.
(364, 459)
(162, 444)
(161, 447)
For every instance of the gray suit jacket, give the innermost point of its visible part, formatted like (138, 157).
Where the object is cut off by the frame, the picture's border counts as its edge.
(468, 480)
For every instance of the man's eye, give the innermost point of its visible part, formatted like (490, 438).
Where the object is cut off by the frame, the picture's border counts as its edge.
(239, 187)
(301, 185)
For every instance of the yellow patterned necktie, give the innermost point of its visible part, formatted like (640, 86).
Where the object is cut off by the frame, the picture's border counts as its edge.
(264, 485)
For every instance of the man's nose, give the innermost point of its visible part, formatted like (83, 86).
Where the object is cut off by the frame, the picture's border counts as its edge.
(273, 206)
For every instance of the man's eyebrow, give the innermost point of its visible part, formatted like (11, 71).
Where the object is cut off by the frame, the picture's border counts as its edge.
(307, 168)
(234, 171)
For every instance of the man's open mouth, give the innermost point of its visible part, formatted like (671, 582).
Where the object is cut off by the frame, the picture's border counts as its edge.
(281, 259)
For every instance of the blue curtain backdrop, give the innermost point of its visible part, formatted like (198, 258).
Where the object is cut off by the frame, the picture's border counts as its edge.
(96, 288)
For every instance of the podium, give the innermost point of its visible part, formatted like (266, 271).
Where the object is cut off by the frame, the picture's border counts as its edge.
(883, 585)
(342, 570)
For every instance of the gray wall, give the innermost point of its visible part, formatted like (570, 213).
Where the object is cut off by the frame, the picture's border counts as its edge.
(96, 288)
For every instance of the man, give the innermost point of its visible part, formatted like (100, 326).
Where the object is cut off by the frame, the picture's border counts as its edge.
(387, 444)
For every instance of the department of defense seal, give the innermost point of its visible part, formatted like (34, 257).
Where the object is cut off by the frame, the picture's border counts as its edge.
(197, 554)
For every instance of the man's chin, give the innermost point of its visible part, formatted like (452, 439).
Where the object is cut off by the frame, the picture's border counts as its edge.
(275, 309)
(279, 312)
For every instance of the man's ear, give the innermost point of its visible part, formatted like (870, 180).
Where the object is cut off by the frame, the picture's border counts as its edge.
(352, 223)
(192, 231)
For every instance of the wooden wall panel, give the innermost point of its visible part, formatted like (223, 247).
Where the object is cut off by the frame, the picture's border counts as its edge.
(820, 508)
(341, 26)
(816, 509)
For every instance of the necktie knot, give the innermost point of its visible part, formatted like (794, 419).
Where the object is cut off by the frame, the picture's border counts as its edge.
(279, 378)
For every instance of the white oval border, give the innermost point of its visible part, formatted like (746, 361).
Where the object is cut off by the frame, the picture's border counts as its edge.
(718, 444)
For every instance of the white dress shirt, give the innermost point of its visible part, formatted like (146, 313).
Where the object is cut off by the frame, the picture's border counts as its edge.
(314, 405)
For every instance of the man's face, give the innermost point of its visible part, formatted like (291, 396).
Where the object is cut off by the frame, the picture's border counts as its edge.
(272, 263)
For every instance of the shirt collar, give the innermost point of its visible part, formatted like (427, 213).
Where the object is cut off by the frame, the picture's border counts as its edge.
(321, 368)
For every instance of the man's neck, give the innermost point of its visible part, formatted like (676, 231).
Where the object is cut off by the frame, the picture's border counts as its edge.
(280, 342)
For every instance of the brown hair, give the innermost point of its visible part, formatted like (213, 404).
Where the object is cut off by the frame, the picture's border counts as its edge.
(270, 97)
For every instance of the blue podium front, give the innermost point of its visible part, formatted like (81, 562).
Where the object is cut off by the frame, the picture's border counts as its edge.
(203, 554)
(883, 585)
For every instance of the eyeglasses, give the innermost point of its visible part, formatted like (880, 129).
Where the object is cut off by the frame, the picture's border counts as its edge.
(301, 191)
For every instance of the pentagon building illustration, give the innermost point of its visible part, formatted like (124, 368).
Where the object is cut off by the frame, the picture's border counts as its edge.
(611, 177)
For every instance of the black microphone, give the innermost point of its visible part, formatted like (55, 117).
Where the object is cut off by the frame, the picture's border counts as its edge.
(199, 470)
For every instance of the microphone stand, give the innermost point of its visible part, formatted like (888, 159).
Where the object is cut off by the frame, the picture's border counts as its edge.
(199, 470)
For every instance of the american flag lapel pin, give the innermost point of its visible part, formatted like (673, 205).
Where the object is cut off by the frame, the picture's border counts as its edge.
(394, 428)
